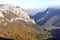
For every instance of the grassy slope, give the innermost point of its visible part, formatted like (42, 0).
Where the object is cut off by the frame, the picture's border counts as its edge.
(18, 30)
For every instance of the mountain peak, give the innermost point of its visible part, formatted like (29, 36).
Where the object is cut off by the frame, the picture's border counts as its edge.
(12, 12)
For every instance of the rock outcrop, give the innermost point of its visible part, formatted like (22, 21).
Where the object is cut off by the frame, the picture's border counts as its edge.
(14, 13)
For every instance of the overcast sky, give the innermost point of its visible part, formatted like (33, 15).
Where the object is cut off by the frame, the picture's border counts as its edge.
(32, 3)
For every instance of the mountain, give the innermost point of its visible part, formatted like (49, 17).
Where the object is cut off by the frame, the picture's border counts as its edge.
(17, 25)
(33, 11)
(47, 17)
(11, 12)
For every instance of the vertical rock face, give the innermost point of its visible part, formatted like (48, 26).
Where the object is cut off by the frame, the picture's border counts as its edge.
(11, 12)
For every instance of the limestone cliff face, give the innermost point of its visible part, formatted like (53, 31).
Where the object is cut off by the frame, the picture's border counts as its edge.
(14, 12)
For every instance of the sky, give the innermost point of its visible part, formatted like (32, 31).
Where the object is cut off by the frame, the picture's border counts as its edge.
(36, 4)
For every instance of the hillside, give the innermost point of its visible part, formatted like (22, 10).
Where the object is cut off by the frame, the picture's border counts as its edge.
(18, 30)
(15, 30)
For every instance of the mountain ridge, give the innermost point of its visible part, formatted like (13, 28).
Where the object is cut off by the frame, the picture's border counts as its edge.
(14, 12)
(42, 17)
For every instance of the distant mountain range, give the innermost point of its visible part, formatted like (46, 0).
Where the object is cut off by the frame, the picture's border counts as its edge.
(33, 11)
(50, 16)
